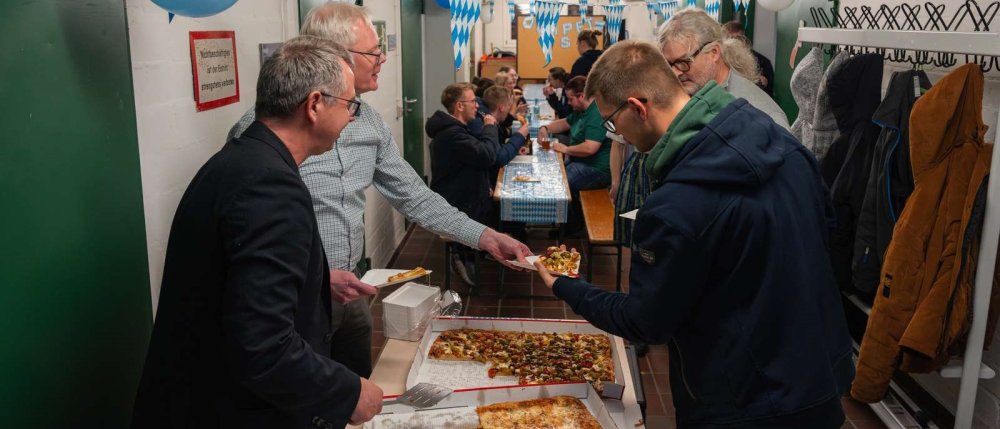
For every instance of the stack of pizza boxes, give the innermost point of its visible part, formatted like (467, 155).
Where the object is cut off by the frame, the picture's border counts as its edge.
(406, 311)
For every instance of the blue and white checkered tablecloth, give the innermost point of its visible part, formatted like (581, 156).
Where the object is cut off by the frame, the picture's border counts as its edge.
(546, 201)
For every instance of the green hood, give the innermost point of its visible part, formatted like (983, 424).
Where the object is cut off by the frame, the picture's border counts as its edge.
(703, 107)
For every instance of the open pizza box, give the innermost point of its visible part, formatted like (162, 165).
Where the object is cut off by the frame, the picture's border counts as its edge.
(458, 411)
(470, 375)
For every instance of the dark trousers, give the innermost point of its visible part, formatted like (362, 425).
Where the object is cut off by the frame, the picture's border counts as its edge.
(351, 344)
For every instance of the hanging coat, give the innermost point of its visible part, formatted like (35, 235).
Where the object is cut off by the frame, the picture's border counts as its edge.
(805, 86)
(923, 305)
(890, 181)
(855, 93)
(824, 123)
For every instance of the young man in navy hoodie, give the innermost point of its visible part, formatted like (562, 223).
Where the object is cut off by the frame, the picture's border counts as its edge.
(461, 161)
(730, 266)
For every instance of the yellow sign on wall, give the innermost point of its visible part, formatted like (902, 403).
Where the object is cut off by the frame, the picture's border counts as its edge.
(531, 60)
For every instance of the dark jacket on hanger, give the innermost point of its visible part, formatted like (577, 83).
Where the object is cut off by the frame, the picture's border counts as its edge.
(460, 164)
(855, 93)
(922, 308)
(582, 65)
(890, 181)
(731, 271)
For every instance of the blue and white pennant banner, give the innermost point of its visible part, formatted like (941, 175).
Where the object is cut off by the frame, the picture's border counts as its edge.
(614, 10)
(692, 3)
(546, 15)
(512, 10)
(712, 8)
(744, 3)
(652, 8)
(583, 7)
(464, 14)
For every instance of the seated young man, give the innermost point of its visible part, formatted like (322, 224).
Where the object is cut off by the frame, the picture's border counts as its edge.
(588, 160)
(730, 266)
(461, 161)
(557, 80)
(498, 101)
(588, 154)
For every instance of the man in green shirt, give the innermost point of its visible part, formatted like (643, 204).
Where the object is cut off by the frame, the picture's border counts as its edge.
(589, 152)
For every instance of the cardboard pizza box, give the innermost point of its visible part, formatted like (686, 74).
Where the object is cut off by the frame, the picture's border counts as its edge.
(467, 374)
(458, 410)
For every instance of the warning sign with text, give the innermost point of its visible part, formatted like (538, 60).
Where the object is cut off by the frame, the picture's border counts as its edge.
(213, 63)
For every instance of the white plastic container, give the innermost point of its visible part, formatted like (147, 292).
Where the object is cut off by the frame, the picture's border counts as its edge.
(406, 311)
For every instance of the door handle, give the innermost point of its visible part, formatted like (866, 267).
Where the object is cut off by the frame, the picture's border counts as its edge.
(409, 101)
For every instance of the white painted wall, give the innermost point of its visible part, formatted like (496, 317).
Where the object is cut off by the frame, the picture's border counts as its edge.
(987, 414)
(384, 226)
(175, 140)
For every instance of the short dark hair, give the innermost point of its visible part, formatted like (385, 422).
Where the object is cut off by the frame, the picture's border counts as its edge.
(559, 73)
(576, 84)
(734, 27)
(452, 93)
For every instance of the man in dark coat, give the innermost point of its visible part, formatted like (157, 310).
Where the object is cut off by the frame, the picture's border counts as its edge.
(461, 162)
(242, 331)
(730, 266)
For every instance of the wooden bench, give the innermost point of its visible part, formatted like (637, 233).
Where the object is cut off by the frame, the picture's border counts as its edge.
(599, 217)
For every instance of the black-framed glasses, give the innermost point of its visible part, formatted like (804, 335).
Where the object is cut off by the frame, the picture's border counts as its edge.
(379, 56)
(353, 106)
(468, 101)
(684, 64)
(609, 125)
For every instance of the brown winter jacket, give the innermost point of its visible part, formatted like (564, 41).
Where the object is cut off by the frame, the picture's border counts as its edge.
(923, 307)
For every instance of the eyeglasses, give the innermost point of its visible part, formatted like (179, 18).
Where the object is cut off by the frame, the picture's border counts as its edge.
(379, 56)
(468, 101)
(610, 126)
(684, 64)
(353, 106)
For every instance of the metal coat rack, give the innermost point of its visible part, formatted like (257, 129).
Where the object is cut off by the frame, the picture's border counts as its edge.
(922, 36)
(927, 17)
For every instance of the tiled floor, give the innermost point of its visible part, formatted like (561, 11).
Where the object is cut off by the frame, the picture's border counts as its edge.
(425, 249)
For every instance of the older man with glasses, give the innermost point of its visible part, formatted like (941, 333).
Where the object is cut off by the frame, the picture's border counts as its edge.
(697, 50)
(366, 154)
(241, 337)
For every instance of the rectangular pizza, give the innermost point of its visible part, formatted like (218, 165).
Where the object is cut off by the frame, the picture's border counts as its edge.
(532, 357)
(560, 412)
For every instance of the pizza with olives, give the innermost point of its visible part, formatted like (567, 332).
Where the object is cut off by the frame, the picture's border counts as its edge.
(532, 357)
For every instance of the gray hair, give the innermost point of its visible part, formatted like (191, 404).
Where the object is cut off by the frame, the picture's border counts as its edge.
(696, 28)
(302, 65)
(335, 21)
(632, 68)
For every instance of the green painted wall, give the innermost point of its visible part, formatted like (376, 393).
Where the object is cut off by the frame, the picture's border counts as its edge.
(788, 25)
(75, 313)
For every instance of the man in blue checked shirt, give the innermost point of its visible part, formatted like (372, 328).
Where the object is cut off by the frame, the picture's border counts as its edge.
(366, 155)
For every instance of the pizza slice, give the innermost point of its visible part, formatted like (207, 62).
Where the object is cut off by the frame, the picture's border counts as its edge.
(561, 261)
(407, 275)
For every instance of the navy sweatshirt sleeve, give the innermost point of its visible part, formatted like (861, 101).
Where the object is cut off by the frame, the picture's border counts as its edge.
(560, 108)
(509, 150)
(665, 281)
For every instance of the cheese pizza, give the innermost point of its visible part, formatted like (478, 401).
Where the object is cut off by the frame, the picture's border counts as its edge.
(560, 412)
